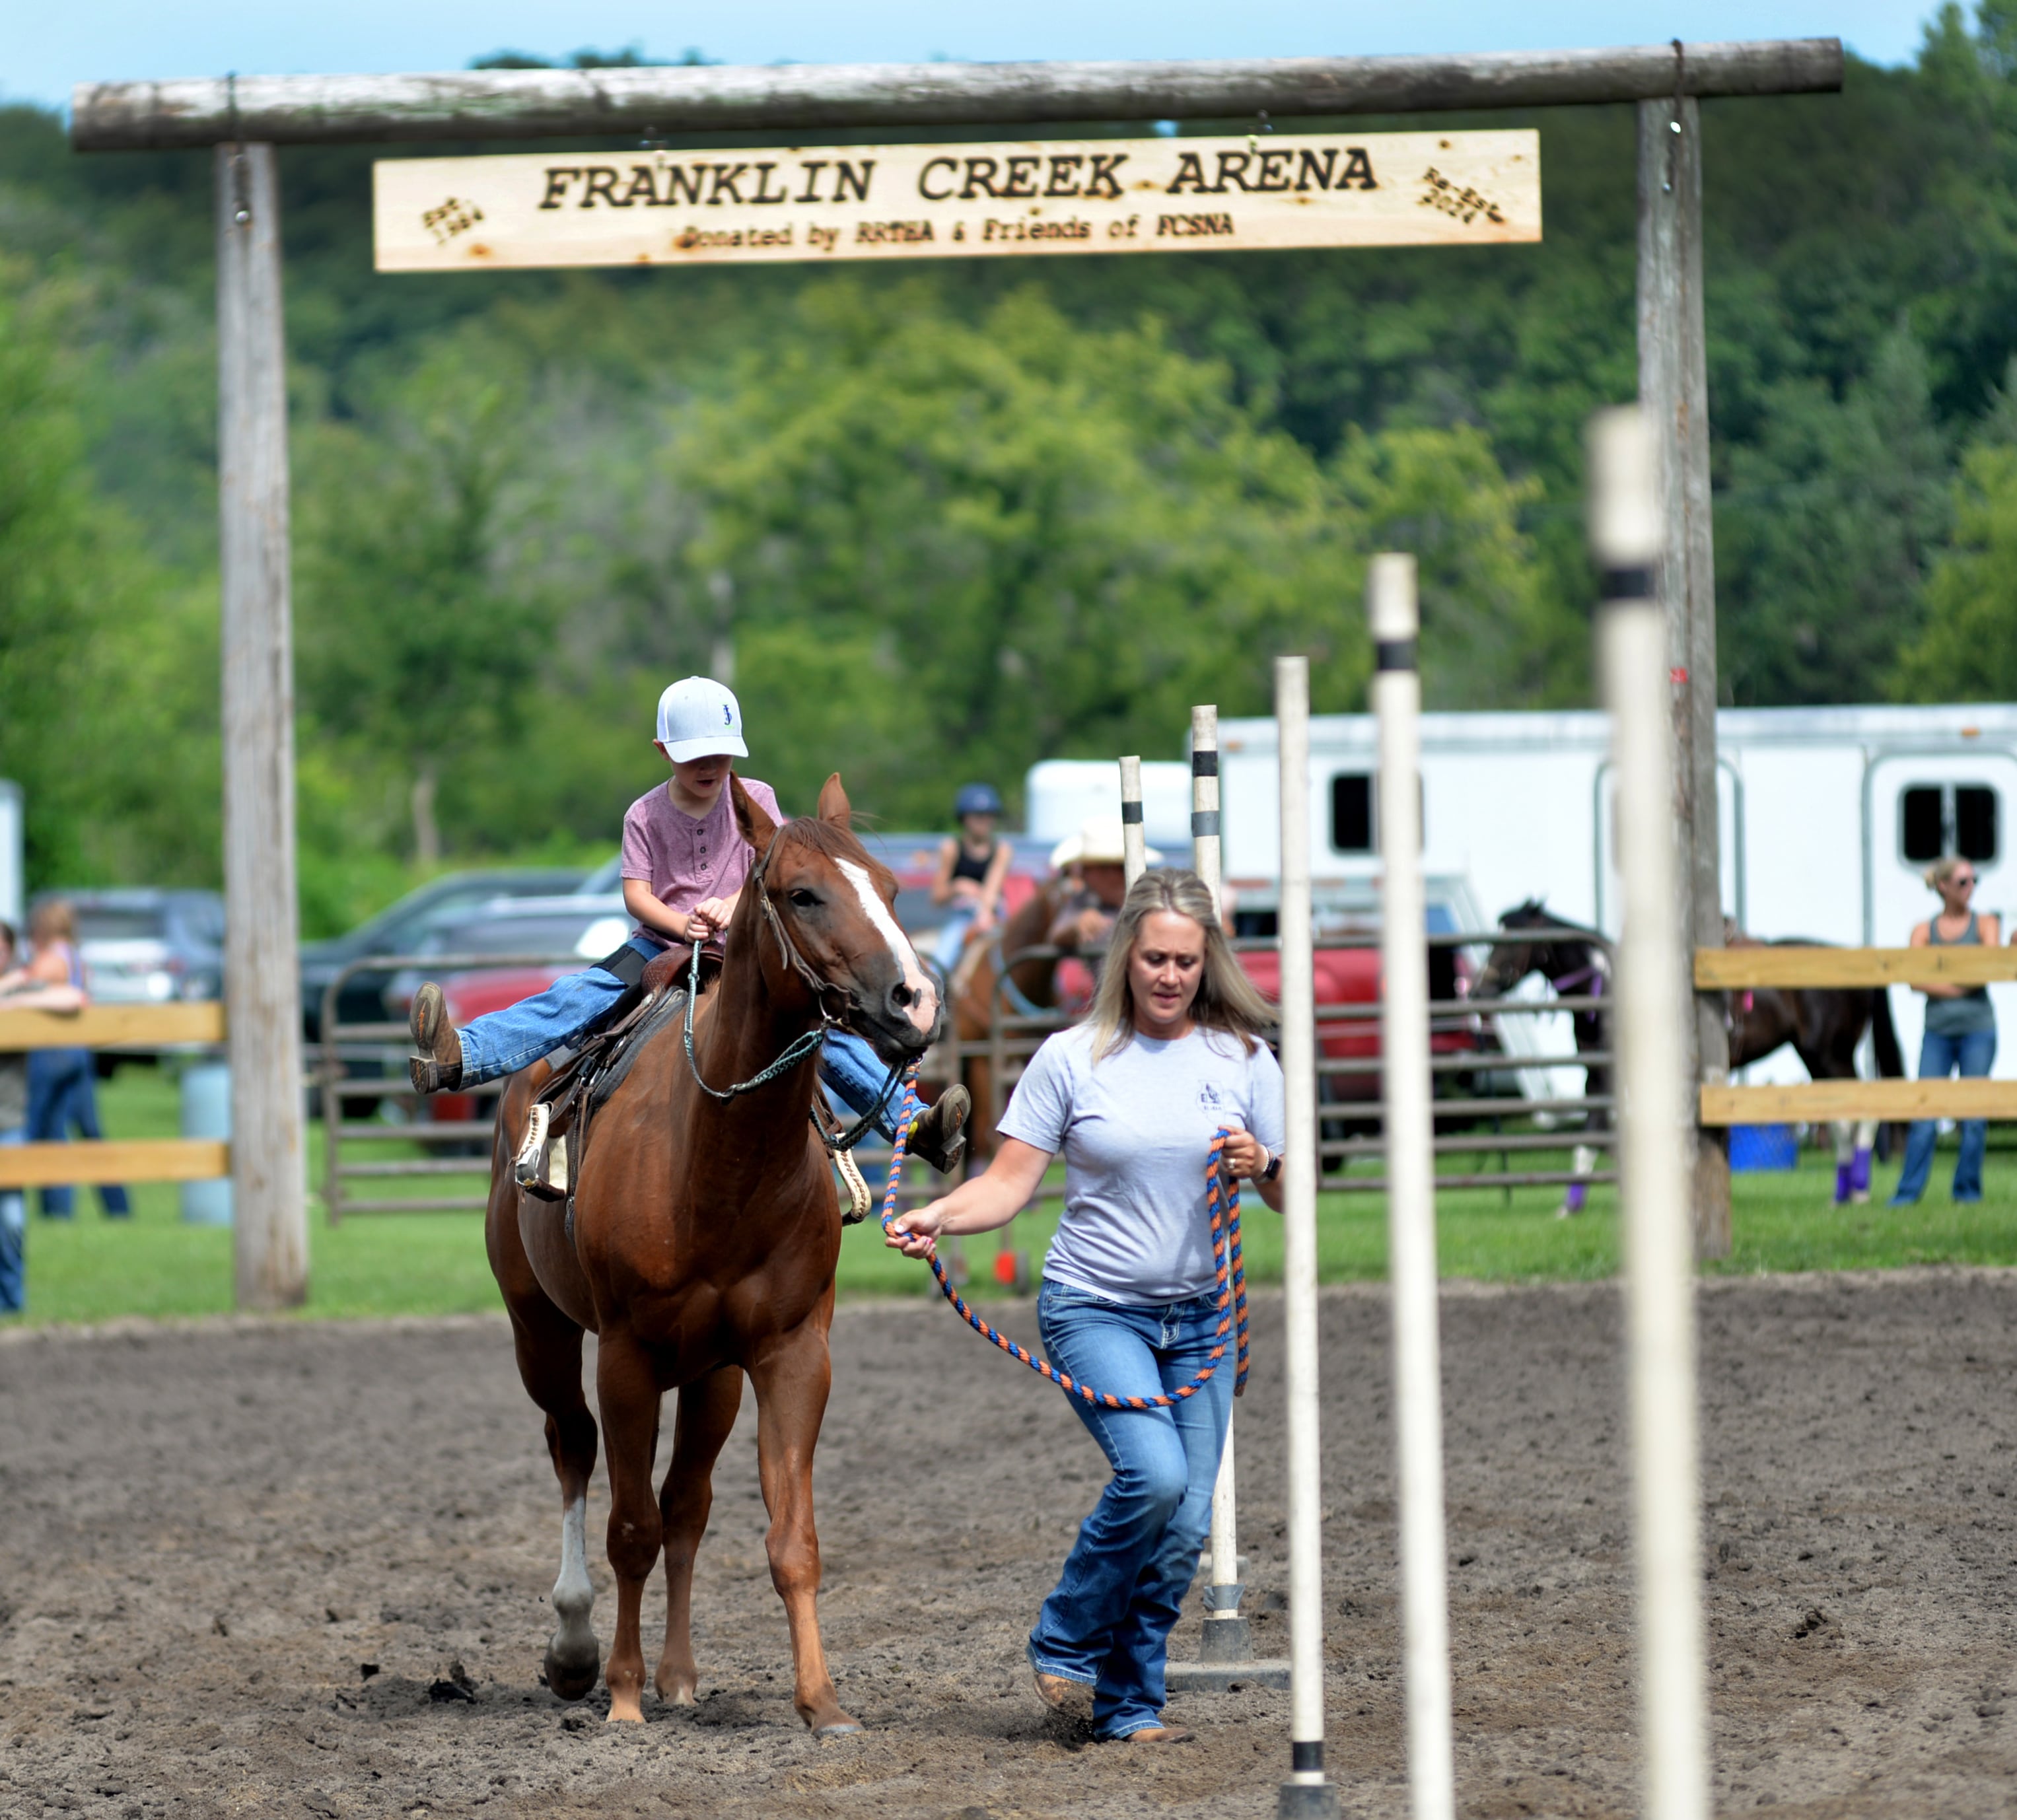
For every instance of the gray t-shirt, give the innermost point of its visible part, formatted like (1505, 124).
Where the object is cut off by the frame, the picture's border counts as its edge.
(1136, 1132)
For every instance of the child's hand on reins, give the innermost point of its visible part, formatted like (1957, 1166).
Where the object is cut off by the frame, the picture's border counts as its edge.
(914, 1234)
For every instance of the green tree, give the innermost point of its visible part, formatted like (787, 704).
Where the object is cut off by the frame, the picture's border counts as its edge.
(419, 632)
(1966, 651)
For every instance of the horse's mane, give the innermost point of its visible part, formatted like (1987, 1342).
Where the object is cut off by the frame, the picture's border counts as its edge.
(835, 842)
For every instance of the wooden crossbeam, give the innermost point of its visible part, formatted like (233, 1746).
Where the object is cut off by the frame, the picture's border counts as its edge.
(108, 1026)
(147, 1159)
(1728, 969)
(1815, 1099)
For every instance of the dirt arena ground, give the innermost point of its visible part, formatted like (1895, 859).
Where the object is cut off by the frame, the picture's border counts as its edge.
(240, 1567)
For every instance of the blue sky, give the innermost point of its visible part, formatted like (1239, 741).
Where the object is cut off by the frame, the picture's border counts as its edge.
(47, 45)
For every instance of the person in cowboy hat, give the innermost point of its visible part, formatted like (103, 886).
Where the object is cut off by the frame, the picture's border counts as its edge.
(1097, 858)
(684, 864)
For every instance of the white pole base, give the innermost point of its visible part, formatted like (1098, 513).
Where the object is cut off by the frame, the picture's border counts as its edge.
(1299, 1800)
(1223, 1678)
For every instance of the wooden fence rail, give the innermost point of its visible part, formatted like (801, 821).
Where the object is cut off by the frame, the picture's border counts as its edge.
(1739, 969)
(1793, 968)
(154, 1159)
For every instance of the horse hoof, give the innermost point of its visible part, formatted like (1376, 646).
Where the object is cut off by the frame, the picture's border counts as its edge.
(678, 1690)
(570, 1676)
(626, 1711)
(840, 1728)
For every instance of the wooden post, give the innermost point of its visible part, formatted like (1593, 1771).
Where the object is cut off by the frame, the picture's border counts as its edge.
(261, 967)
(1673, 391)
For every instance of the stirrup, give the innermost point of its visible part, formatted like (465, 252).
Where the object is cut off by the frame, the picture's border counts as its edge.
(540, 1168)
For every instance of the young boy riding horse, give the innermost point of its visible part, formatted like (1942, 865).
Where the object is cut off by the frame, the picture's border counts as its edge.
(684, 864)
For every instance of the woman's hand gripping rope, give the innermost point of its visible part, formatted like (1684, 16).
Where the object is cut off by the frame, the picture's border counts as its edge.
(1222, 1199)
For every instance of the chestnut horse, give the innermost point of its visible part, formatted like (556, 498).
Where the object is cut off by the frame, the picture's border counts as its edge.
(706, 1229)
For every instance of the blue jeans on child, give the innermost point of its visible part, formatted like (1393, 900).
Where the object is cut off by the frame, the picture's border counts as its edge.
(1109, 1621)
(503, 1042)
(1939, 1057)
(63, 1098)
(13, 1238)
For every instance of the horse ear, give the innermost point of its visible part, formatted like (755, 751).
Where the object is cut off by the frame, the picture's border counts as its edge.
(756, 827)
(833, 804)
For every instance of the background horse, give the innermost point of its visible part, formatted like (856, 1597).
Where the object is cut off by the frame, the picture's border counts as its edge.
(700, 1247)
(1824, 1025)
(1575, 962)
(1029, 987)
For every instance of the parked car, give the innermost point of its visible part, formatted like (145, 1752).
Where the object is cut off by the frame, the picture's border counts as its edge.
(400, 929)
(581, 924)
(142, 946)
(146, 947)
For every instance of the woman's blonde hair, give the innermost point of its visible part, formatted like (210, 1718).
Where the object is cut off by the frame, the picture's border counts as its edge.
(1941, 871)
(54, 920)
(1226, 999)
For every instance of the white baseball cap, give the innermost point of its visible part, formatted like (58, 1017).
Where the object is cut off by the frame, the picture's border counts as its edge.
(697, 717)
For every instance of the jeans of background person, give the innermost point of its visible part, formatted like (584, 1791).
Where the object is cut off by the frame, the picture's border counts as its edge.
(505, 1041)
(13, 1238)
(1939, 1057)
(62, 1100)
(951, 941)
(1109, 1621)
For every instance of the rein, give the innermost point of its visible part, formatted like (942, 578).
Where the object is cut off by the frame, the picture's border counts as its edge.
(1221, 1197)
(799, 1048)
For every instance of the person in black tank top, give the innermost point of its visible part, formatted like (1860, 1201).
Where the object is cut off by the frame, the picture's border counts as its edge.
(973, 865)
(1961, 1031)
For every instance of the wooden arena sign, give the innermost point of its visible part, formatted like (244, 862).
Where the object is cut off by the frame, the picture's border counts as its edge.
(932, 202)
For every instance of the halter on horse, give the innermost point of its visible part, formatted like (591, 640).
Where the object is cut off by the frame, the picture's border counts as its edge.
(1574, 961)
(705, 1233)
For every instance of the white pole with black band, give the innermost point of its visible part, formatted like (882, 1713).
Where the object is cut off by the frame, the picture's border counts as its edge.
(1411, 1201)
(1133, 845)
(1308, 1794)
(1627, 533)
(1227, 1637)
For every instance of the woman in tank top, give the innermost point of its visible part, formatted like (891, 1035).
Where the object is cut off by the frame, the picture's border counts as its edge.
(1961, 1031)
(973, 865)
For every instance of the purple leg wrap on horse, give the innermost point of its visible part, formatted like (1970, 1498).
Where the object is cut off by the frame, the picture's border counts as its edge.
(1859, 1173)
(1574, 1199)
(1842, 1176)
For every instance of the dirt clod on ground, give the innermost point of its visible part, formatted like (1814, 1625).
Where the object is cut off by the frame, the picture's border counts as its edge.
(296, 1569)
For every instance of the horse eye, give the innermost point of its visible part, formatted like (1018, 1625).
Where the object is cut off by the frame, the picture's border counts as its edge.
(805, 900)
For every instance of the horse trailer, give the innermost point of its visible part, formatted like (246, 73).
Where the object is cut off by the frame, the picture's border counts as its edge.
(1827, 816)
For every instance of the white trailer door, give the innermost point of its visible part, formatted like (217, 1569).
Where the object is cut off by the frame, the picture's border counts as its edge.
(1915, 808)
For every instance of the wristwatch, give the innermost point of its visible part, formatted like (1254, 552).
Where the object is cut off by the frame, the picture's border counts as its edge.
(1273, 1170)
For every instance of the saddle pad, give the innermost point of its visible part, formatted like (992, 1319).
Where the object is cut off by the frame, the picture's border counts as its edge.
(670, 1005)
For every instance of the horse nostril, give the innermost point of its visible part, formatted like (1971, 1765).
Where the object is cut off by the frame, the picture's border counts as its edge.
(902, 995)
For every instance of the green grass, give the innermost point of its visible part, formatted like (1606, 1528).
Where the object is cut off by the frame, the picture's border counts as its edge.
(91, 1269)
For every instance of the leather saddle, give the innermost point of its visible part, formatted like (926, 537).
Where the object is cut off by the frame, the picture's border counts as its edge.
(548, 1161)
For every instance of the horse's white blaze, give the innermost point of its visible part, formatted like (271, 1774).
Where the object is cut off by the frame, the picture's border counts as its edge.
(924, 995)
(574, 1594)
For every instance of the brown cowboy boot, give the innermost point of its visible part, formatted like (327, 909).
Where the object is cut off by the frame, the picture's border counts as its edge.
(938, 1133)
(437, 1068)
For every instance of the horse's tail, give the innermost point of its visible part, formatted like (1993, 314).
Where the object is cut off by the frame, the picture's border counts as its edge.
(1884, 1037)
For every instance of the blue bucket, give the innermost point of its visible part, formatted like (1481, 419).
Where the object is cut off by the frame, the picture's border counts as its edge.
(1753, 1147)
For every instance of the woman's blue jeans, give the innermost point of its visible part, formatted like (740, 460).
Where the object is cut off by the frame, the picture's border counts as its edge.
(1108, 1622)
(503, 1042)
(1939, 1057)
(63, 1098)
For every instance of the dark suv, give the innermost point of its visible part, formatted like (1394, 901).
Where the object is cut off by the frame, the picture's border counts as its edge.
(406, 928)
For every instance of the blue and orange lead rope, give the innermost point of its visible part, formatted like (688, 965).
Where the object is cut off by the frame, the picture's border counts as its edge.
(1221, 1193)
